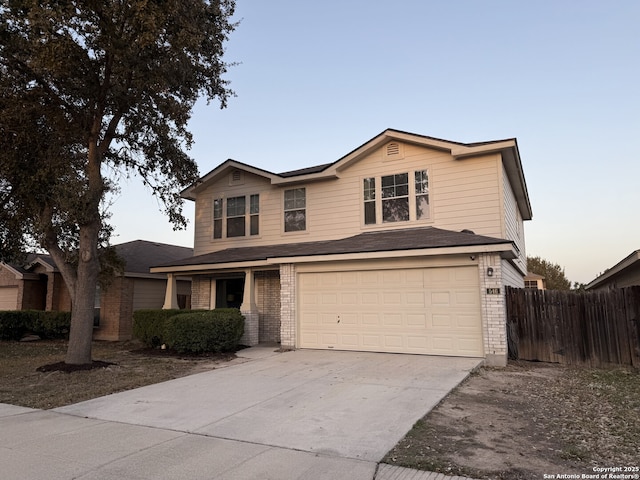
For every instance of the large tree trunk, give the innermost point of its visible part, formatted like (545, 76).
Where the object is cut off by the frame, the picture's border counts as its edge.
(81, 332)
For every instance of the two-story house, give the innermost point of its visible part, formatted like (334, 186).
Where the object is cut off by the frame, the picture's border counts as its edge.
(403, 245)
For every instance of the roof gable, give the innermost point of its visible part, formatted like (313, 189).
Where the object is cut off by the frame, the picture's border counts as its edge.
(508, 148)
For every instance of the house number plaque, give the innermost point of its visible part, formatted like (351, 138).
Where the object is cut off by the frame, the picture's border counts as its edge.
(493, 291)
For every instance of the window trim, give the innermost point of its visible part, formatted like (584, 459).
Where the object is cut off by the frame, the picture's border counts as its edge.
(224, 217)
(413, 195)
(295, 208)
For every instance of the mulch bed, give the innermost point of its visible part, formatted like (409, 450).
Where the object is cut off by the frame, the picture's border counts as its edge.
(69, 368)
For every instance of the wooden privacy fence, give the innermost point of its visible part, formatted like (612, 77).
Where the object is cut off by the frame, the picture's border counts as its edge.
(595, 329)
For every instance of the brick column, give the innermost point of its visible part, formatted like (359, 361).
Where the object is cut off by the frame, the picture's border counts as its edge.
(288, 305)
(494, 314)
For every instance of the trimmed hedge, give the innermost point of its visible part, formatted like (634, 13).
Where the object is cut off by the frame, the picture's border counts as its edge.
(15, 324)
(217, 330)
(149, 325)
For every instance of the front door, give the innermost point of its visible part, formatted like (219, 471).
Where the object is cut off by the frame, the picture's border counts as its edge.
(229, 292)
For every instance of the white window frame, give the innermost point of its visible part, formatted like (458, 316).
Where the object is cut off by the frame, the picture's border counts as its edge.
(294, 208)
(413, 194)
(249, 213)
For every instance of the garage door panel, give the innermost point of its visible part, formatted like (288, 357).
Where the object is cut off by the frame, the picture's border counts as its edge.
(350, 341)
(391, 319)
(371, 341)
(349, 318)
(349, 298)
(441, 298)
(370, 298)
(415, 299)
(393, 341)
(467, 321)
(426, 311)
(8, 298)
(392, 298)
(441, 321)
(418, 320)
(370, 319)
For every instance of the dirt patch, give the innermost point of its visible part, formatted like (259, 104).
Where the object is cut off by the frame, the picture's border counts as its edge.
(528, 420)
(33, 374)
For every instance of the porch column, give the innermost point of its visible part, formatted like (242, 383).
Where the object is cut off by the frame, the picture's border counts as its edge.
(212, 294)
(250, 311)
(171, 293)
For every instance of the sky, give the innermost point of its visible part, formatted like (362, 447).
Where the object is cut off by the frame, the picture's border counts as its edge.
(314, 80)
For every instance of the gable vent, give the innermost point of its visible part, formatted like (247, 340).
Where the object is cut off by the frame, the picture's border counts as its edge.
(393, 149)
(236, 176)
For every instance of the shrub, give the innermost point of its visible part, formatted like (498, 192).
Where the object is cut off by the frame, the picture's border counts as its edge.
(217, 330)
(51, 324)
(12, 325)
(149, 325)
(15, 324)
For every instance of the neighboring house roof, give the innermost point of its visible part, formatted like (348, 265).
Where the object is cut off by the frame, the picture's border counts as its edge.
(627, 265)
(370, 242)
(508, 148)
(139, 256)
(533, 276)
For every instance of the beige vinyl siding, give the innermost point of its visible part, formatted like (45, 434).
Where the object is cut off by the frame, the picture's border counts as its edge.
(511, 276)
(513, 224)
(148, 293)
(464, 194)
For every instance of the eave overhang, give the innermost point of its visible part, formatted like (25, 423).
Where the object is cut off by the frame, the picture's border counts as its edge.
(615, 270)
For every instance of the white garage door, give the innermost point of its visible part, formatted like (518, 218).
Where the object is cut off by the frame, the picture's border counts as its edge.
(8, 298)
(427, 311)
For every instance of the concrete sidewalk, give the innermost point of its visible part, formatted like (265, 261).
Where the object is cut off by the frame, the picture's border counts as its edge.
(295, 415)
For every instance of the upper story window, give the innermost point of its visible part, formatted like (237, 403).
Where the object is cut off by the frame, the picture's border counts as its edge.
(231, 219)
(236, 224)
(369, 201)
(254, 211)
(399, 197)
(217, 218)
(295, 210)
(395, 198)
(422, 194)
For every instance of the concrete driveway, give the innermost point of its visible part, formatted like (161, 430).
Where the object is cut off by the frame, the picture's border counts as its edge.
(301, 414)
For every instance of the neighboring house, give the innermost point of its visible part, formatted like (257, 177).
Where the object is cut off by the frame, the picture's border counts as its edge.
(625, 273)
(38, 285)
(534, 281)
(403, 245)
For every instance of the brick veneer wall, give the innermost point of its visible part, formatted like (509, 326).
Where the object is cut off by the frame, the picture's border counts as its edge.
(200, 292)
(116, 311)
(34, 295)
(288, 305)
(494, 314)
(268, 302)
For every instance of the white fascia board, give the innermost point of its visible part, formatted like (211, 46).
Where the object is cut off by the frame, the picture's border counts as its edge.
(461, 151)
(505, 249)
(195, 269)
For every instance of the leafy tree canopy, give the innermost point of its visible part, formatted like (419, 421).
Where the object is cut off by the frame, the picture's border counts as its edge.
(553, 273)
(91, 91)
